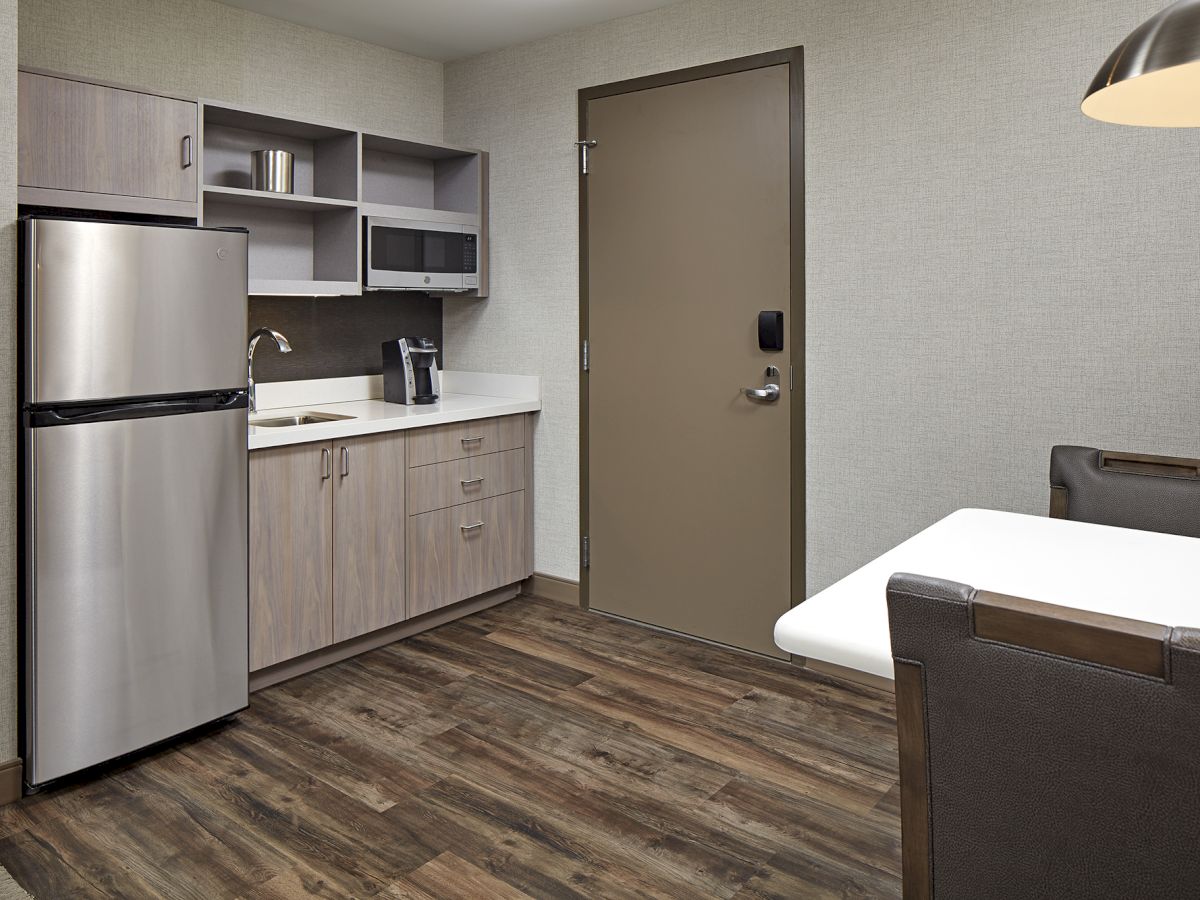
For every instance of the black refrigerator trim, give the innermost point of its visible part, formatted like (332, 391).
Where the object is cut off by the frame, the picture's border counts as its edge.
(48, 415)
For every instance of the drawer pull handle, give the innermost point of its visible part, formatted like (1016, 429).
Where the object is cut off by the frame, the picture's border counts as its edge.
(469, 482)
(326, 464)
(474, 527)
(475, 440)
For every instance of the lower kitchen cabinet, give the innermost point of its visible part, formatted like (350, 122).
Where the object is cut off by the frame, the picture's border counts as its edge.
(368, 530)
(350, 537)
(327, 544)
(465, 550)
(291, 552)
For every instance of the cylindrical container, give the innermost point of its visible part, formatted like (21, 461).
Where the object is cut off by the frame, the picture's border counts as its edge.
(271, 170)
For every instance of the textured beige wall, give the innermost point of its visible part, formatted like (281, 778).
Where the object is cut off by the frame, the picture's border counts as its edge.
(204, 49)
(8, 377)
(989, 273)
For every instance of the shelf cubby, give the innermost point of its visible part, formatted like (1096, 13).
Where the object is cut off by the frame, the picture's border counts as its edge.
(326, 159)
(421, 176)
(295, 247)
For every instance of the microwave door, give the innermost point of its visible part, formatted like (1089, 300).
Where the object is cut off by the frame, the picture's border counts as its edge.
(413, 258)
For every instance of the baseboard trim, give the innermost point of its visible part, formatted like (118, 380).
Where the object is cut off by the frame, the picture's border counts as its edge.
(841, 672)
(551, 587)
(12, 775)
(318, 659)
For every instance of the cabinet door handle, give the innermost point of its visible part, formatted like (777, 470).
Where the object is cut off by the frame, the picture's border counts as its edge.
(326, 464)
(474, 527)
(474, 440)
(345, 462)
(471, 481)
(187, 151)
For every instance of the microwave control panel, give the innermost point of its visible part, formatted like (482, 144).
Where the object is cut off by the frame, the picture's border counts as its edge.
(470, 253)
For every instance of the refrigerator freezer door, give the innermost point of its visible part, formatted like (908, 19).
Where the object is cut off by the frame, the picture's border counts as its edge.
(117, 310)
(137, 624)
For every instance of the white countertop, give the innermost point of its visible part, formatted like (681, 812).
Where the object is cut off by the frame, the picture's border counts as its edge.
(1118, 571)
(465, 396)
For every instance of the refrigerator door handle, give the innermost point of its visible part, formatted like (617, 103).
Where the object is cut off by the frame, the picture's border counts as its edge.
(142, 409)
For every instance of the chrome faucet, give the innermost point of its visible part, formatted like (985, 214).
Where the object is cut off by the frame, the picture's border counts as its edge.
(280, 341)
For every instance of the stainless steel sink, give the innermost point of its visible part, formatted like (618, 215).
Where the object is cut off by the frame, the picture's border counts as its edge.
(305, 418)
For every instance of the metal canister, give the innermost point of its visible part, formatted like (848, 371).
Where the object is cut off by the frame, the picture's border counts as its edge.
(272, 170)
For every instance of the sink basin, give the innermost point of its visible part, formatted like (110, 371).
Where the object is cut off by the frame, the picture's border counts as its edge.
(307, 418)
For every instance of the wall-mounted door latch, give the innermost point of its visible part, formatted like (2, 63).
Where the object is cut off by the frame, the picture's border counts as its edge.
(584, 147)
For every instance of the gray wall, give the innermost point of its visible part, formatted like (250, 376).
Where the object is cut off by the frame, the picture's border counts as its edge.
(199, 48)
(8, 375)
(989, 273)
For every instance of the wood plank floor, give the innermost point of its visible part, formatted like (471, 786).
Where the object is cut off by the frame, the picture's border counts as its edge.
(529, 750)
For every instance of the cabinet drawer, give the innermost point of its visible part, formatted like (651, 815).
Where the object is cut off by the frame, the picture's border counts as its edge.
(464, 480)
(465, 550)
(458, 440)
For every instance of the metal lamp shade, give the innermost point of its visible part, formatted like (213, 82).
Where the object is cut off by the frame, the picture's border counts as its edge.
(1153, 78)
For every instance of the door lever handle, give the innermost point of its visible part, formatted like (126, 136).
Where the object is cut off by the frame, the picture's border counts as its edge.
(769, 391)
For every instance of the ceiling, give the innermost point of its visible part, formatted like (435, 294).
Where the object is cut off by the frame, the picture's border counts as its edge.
(447, 29)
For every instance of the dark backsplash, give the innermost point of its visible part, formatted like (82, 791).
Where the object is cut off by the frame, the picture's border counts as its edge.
(333, 337)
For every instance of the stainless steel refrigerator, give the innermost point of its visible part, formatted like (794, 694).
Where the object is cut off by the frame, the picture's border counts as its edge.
(135, 487)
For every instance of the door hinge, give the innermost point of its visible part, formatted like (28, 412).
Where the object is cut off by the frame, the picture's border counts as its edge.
(585, 553)
(586, 358)
(584, 147)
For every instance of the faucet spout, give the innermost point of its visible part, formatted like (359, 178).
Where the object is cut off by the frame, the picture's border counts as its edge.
(280, 341)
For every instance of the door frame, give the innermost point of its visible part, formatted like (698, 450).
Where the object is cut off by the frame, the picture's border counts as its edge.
(792, 57)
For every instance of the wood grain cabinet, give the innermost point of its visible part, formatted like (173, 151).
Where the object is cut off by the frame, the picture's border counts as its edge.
(350, 537)
(468, 528)
(327, 544)
(368, 529)
(98, 140)
(291, 552)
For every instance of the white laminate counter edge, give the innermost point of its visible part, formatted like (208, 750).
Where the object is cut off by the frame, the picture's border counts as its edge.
(289, 394)
(358, 397)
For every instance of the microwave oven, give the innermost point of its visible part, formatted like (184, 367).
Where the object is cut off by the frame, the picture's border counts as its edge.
(411, 255)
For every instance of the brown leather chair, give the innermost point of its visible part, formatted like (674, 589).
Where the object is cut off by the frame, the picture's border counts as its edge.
(1045, 752)
(1128, 490)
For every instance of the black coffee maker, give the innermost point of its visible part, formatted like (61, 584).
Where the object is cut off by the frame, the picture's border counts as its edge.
(410, 372)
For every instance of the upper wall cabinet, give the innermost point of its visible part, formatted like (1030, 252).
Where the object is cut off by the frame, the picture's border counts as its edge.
(93, 146)
(309, 242)
(115, 149)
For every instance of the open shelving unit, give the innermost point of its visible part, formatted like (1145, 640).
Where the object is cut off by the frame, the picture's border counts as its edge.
(309, 242)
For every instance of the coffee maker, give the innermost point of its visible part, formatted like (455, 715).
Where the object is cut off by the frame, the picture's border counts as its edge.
(410, 372)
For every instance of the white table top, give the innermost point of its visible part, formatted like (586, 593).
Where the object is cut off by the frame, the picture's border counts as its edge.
(1118, 571)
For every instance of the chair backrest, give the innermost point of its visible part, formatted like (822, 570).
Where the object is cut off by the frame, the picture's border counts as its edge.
(1128, 490)
(1045, 752)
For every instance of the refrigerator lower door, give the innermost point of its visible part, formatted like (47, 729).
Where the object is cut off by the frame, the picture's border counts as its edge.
(137, 591)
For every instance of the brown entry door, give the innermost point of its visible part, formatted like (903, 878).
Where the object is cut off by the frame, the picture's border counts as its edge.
(688, 500)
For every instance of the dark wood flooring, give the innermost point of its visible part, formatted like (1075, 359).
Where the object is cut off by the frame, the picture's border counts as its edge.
(528, 750)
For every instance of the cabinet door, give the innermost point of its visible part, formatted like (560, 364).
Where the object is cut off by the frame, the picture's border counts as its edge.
(368, 529)
(464, 551)
(74, 136)
(291, 552)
